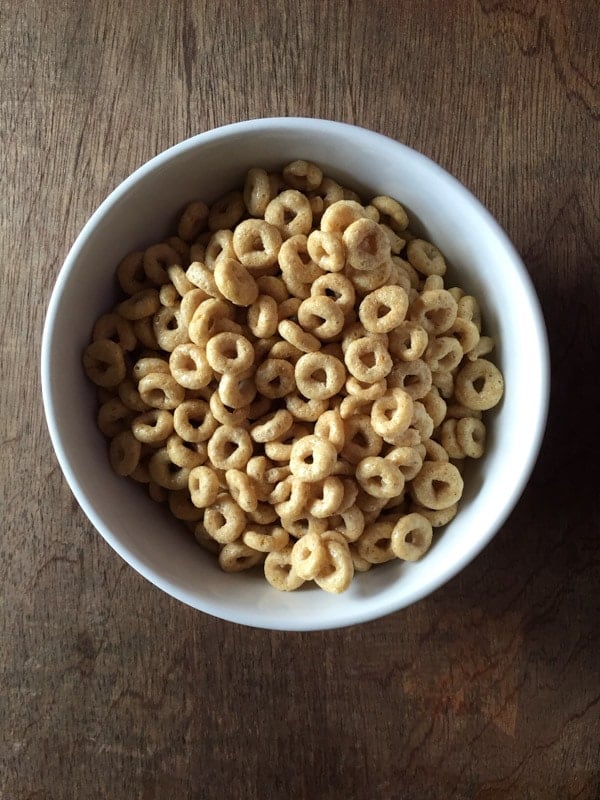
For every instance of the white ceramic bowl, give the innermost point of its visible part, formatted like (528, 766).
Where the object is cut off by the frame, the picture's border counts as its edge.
(140, 211)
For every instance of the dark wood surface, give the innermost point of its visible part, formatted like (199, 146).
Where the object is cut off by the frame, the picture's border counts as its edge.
(489, 689)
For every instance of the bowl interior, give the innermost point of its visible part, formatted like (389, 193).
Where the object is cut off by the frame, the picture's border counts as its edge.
(141, 211)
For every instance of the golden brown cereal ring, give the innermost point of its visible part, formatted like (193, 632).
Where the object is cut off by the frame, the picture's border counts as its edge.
(273, 287)
(425, 257)
(183, 251)
(238, 557)
(298, 525)
(294, 258)
(157, 259)
(438, 485)
(407, 459)
(400, 276)
(145, 333)
(368, 392)
(338, 287)
(383, 309)
(465, 333)
(203, 485)
(117, 329)
(437, 518)
(375, 543)
(190, 302)
(350, 493)
(113, 417)
(444, 383)
(434, 451)
(326, 497)
(329, 191)
(241, 488)
(203, 277)
(368, 359)
(168, 295)
(302, 175)
(468, 309)
(229, 448)
(392, 212)
(412, 376)
(189, 366)
(435, 406)
(273, 426)
(237, 417)
(360, 564)
(182, 507)
(330, 426)
(290, 203)
(125, 452)
(161, 391)
(275, 378)
(266, 538)
(153, 427)
(290, 496)
(366, 281)
(185, 454)
(361, 439)
(309, 556)
(262, 317)
(379, 477)
(289, 308)
(470, 434)
(484, 347)
(257, 192)
(224, 520)
(205, 320)
(367, 246)
(144, 366)
(104, 363)
(130, 396)
(131, 275)
(220, 245)
(319, 376)
(296, 336)
(229, 353)
(337, 575)
(193, 421)
(479, 385)
(434, 310)
(421, 421)
(349, 522)
(165, 473)
(235, 282)
(443, 354)
(226, 212)
(280, 572)
(312, 458)
(193, 221)
(169, 328)
(411, 537)
(306, 410)
(321, 316)
(157, 493)
(392, 414)
(340, 215)
(256, 243)
(327, 250)
(237, 391)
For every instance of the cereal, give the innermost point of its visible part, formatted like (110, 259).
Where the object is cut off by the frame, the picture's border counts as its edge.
(291, 374)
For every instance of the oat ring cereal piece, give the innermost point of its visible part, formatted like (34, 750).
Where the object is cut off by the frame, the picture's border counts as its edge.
(465, 332)
(290, 212)
(306, 410)
(117, 328)
(203, 485)
(383, 309)
(193, 220)
(234, 282)
(220, 245)
(479, 385)
(226, 212)
(330, 426)
(280, 572)
(262, 317)
(238, 557)
(235, 417)
(309, 556)
(229, 353)
(298, 337)
(336, 576)
(130, 273)
(242, 489)
(237, 391)
(273, 426)
(266, 538)
(336, 286)
(379, 477)
(438, 485)
(375, 543)
(392, 414)
(229, 448)
(367, 392)
(169, 328)
(302, 175)
(185, 454)
(124, 453)
(113, 417)
(189, 366)
(425, 257)
(326, 497)
(340, 215)
(327, 250)
(166, 474)
(368, 359)
(157, 259)
(224, 520)
(205, 320)
(152, 427)
(411, 537)
(366, 281)
(159, 390)
(319, 376)
(435, 310)
(349, 522)
(294, 258)
(256, 243)
(470, 434)
(322, 316)
(361, 439)
(257, 191)
(421, 421)
(312, 458)
(193, 421)
(182, 507)
(104, 363)
(407, 459)
(290, 496)
(412, 376)
(367, 246)
(141, 304)
(392, 211)
(443, 354)
(275, 378)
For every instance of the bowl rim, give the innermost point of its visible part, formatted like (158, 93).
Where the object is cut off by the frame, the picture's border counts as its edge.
(342, 617)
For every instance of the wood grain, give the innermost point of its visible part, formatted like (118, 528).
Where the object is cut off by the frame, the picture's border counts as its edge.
(486, 690)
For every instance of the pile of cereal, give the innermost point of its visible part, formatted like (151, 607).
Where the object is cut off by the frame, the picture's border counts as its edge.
(291, 375)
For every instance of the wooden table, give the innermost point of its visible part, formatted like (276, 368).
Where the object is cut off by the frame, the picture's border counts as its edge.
(487, 690)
